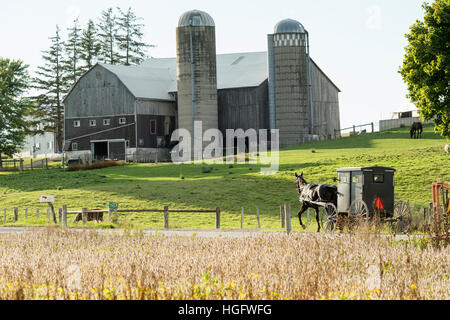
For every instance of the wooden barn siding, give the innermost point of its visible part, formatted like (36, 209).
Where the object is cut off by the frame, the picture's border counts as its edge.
(325, 102)
(154, 110)
(99, 92)
(127, 133)
(144, 130)
(244, 108)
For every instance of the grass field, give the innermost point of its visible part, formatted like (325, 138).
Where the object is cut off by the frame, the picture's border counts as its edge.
(139, 186)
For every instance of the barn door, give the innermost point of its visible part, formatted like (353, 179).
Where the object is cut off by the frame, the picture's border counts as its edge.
(117, 150)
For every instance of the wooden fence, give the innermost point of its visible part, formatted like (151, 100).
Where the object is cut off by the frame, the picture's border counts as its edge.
(22, 164)
(63, 213)
(337, 132)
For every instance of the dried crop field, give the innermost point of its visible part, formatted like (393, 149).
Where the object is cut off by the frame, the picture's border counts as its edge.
(57, 264)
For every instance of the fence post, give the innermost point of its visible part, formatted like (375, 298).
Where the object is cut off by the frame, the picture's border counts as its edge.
(166, 217)
(109, 214)
(16, 214)
(31, 161)
(84, 215)
(26, 214)
(217, 218)
(37, 213)
(242, 217)
(257, 217)
(288, 218)
(372, 126)
(59, 215)
(354, 130)
(48, 214)
(21, 165)
(4, 216)
(282, 216)
(46, 163)
(64, 216)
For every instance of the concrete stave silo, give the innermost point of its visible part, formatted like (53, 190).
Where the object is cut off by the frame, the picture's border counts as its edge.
(196, 71)
(290, 83)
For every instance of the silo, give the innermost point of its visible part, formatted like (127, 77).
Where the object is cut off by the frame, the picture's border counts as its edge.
(290, 104)
(196, 68)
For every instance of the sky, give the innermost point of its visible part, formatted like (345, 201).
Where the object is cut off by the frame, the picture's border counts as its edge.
(359, 44)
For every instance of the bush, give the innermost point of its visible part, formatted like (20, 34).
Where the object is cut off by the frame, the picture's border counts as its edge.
(95, 165)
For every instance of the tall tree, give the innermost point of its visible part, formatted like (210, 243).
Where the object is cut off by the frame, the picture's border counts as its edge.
(129, 37)
(426, 65)
(14, 82)
(108, 35)
(52, 88)
(72, 60)
(90, 46)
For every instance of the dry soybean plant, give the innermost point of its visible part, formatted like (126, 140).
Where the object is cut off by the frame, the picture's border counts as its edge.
(64, 264)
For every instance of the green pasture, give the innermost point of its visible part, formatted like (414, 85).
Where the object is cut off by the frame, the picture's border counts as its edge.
(143, 186)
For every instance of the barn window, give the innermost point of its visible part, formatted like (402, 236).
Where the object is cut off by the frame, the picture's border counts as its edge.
(152, 126)
(106, 122)
(74, 146)
(122, 120)
(378, 178)
(92, 123)
(76, 123)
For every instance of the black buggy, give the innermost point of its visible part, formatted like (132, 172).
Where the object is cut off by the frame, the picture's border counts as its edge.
(366, 192)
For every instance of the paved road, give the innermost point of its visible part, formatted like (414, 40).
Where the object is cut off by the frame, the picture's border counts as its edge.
(200, 233)
(11, 230)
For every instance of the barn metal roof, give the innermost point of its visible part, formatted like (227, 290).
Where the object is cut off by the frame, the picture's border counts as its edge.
(156, 78)
(145, 82)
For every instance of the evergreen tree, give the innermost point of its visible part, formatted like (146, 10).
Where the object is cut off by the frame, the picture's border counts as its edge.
(72, 61)
(108, 35)
(90, 46)
(129, 38)
(49, 81)
(14, 81)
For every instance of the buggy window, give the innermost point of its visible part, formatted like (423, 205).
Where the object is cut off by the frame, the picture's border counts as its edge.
(378, 178)
(355, 179)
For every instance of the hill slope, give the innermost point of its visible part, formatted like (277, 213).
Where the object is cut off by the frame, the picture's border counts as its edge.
(418, 163)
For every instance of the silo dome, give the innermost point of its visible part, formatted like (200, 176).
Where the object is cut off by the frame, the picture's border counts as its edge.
(196, 18)
(289, 26)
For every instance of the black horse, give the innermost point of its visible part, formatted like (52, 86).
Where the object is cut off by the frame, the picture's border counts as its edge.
(311, 193)
(416, 130)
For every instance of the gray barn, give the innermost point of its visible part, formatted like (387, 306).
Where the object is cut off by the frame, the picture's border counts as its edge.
(129, 113)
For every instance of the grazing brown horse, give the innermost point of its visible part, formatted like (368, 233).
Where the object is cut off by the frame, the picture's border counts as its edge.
(416, 130)
(311, 194)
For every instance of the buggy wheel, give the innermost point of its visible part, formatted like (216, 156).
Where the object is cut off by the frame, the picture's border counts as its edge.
(329, 217)
(358, 212)
(402, 217)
